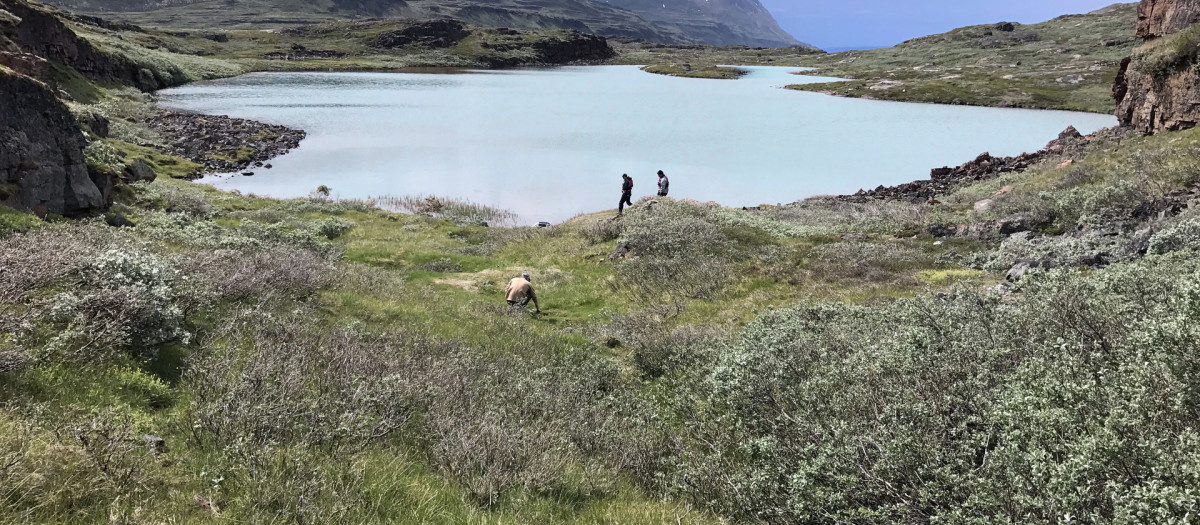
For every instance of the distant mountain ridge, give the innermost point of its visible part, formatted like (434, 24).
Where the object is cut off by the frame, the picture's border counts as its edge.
(713, 22)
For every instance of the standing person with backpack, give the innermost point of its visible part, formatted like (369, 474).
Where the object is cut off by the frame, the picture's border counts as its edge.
(663, 184)
(626, 193)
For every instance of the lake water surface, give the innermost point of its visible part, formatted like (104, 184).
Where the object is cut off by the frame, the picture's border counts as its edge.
(550, 144)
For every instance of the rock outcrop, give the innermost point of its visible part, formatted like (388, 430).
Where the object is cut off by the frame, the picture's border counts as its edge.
(510, 48)
(37, 35)
(1158, 18)
(434, 34)
(944, 180)
(42, 167)
(1158, 88)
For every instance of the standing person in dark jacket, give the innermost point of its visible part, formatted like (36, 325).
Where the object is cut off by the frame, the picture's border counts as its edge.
(663, 184)
(626, 193)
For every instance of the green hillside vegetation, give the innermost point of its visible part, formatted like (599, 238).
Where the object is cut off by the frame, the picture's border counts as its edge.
(690, 22)
(316, 361)
(1066, 63)
(237, 359)
(200, 55)
(687, 71)
(706, 61)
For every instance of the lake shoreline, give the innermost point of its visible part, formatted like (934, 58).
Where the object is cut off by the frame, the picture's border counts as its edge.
(346, 154)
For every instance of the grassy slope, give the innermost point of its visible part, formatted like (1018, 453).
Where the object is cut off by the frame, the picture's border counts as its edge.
(778, 257)
(980, 65)
(202, 58)
(976, 65)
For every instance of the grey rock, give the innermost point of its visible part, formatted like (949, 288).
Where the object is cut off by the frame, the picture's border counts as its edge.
(98, 124)
(1140, 242)
(139, 171)
(1014, 224)
(41, 153)
(157, 444)
(117, 220)
(1018, 271)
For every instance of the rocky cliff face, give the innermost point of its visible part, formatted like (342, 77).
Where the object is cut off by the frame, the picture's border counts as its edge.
(716, 22)
(1158, 88)
(1157, 18)
(34, 32)
(42, 167)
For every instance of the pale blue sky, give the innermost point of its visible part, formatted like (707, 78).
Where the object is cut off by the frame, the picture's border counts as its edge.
(834, 24)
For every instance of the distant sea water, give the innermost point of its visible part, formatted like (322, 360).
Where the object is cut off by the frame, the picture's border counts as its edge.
(550, 144)
(851, 48)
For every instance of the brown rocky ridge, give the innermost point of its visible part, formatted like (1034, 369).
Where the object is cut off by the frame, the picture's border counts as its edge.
(1158, 88)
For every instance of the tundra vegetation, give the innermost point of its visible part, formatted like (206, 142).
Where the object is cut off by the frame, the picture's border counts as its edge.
(1019, 349)
(1067, 63)
(318, 361)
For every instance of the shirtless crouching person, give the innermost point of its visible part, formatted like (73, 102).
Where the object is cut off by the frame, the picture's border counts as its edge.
(520, 292)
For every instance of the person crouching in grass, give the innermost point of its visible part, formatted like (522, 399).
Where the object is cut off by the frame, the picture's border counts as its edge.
(520, 292)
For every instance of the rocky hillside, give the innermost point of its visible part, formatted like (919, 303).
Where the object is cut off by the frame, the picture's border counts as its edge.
(42, 166)
(1158, 88)
(715, 22)
(718, 22)
(1065, 63)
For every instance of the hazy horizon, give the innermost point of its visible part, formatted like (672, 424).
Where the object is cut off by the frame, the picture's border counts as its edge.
(839, 24)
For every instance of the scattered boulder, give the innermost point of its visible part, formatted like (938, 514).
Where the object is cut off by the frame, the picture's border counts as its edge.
(98, 124)
(1015, 224)
(1017, 272)
(1140, 242)
(299, 52)
(117, 220)
(224, 144)
(157, 444)
(139, 171)
(620, 252)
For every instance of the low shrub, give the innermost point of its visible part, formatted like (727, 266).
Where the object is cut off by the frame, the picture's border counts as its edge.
(174, 198)
(48, 256)
(678, 254)
(885, 263)
(92, 468)
(126, 299)
(332, 227)
(1181, 235)
(102, 157)
(443, 265)
(961, 407)
(458, 211)
(602, 231)
(269, 275)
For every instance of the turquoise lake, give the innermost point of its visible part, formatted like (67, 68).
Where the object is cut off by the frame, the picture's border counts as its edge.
(550, 144)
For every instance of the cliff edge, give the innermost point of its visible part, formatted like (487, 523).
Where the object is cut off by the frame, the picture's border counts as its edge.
(1158, 88)
(42, 167)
